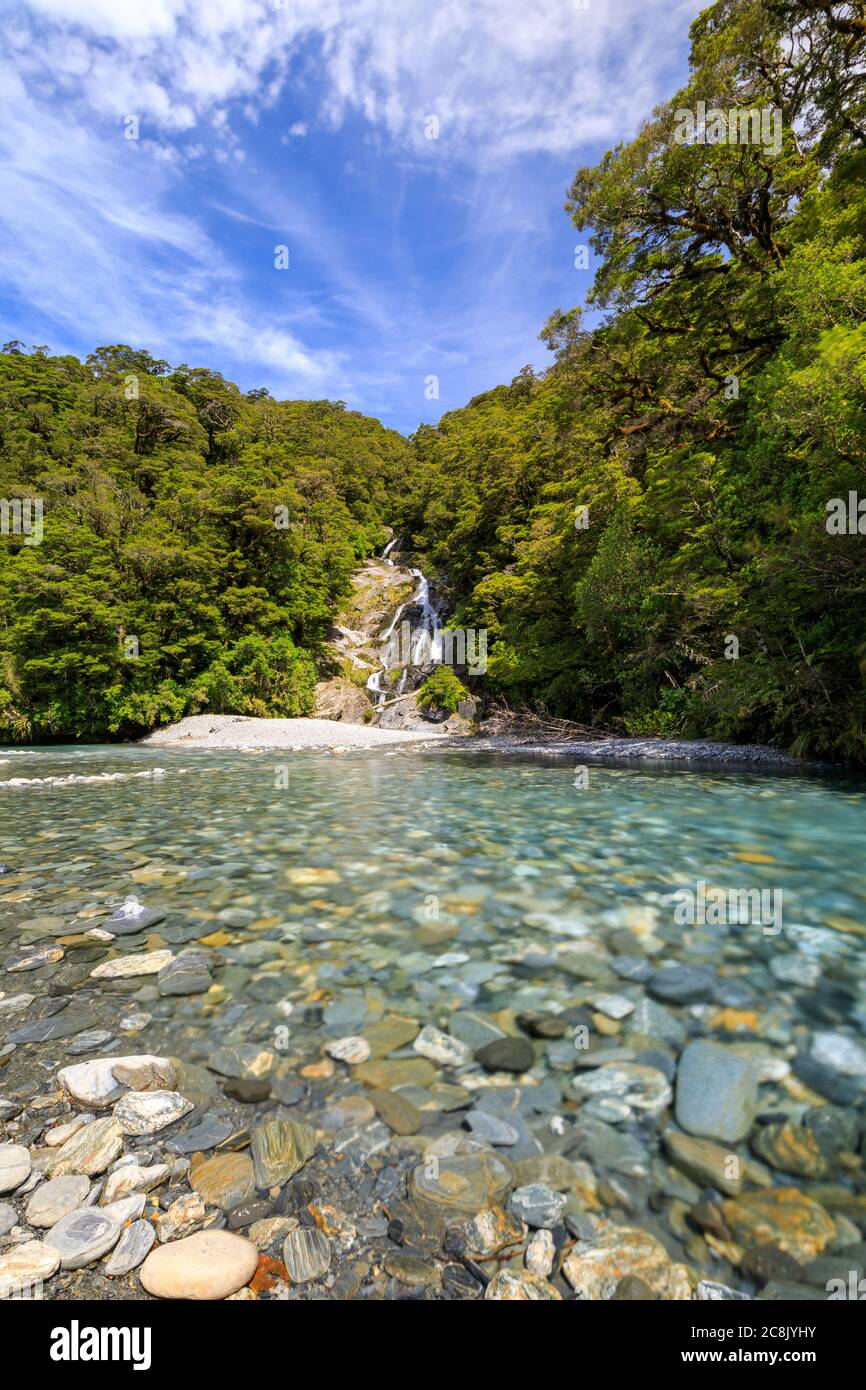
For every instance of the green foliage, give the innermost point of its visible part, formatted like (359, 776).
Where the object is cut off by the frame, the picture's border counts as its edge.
(196, 542)
(704, 424)
(442, 690)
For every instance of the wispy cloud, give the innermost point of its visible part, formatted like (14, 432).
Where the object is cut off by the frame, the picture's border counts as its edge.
(307, 122)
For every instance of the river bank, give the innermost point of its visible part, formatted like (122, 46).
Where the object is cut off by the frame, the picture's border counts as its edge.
(231, 731)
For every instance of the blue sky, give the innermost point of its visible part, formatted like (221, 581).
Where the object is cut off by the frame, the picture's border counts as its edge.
(307, 124)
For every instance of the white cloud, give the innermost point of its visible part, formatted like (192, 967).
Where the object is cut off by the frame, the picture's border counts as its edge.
(502, 76)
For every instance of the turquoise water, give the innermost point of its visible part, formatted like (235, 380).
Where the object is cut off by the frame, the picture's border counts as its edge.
(319, 870)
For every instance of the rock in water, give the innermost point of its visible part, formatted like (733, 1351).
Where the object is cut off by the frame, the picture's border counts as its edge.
(465, 1183)
(225, 1180)
(780, 1216)
(517, 1286)
(188, 973)
(14, 1166)
(595, 1268)
(207, 1265)
(147, 1112)
(83, 1236)
(717, 1092)
(131, 918)
(280, 1149)
(306, 1254)
(130, 967)
(56, 1199)
(130, 1250)
(537, 1204)
(506, 1054)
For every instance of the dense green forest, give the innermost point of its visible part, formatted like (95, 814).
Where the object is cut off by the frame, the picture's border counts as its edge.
(196, 541)
(704, 424)
(642, 529)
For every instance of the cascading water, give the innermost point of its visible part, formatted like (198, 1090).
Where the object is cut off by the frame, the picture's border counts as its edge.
(425, 637)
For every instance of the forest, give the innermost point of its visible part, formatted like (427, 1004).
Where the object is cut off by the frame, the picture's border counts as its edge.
(649, 530)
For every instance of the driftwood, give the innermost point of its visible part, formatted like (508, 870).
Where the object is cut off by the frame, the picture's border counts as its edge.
(521, 720)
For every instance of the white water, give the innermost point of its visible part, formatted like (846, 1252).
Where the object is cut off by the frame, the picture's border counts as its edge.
(425, 637)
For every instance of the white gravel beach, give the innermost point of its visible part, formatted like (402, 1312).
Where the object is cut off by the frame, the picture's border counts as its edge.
(241, 731)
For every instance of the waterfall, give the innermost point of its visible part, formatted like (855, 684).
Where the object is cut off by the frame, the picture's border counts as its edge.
(425, 640)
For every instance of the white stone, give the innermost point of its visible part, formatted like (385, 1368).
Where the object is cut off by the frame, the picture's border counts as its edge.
(127, 967)
(539, 1254)
(441, 1047)
(147, 1112)
(131, 1178)
(614, 1006)
(14, 1166)
(25, 1266)
(94, 1083)
(354, 1049)
(840, 1052)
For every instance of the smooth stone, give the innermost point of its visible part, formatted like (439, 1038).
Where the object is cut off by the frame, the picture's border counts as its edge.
(390, 1033)
(32, 957)
(306, 1254)
(95, 1083)
(151, 1074)
(249, 1090)
(680, 984)
(90, 1151)
(248, 1061)
(210, 1131)
(57, 1198)
(520, 1286)
(83, 1236)
(441, 1048)
(14, 1166)
(133, 1179)
(132, 966)
(248, 1213)
(90, 1041)
(614, 1006)
(352, 1049)
(8, 1218)
(25, 1267)
(62, 1025)
(131, 918)
(840, 1053)
(506, 1054)
(781, 1216)
(655, 1021)
(188, 973)
(705, 1162)
(206, 1265)
(16, 1004)
(134, 1244)
(398, 1113)
(287, 1091)
(463, 1182)
(280, 1148)
(147, 1112)
(473, 1029)
(225, 1180)
(761, 1263)
(126, 1209)
(827, 1082)
(490, 1127)
(794, 969)
(641, 1088)
(537, 1205)
(716, 1092)
(594, 1268)
(385, 1075)
(790, 1148)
